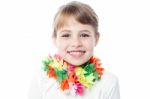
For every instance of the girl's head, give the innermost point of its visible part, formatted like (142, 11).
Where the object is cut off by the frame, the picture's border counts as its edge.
(82, 13)
(75, 32)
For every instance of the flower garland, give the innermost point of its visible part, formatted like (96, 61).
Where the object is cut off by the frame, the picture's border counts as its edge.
(73, 79)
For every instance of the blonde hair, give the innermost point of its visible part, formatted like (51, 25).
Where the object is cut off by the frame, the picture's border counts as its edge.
(83, 13)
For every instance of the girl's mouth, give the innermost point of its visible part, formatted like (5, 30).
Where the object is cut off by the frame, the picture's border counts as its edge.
(76, 53)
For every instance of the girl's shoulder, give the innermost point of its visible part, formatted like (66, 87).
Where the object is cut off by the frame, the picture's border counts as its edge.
(109, 77)
(42, 79)
(109, 81)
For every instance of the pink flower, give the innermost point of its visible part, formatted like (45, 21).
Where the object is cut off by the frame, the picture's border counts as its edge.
(71, 68)
(79, 88)
(58, 57)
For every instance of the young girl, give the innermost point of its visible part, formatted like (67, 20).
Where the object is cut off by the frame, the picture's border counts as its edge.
(74, 73)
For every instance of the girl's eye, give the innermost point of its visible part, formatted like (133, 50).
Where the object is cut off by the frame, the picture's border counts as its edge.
(85, 35)
(65, 35)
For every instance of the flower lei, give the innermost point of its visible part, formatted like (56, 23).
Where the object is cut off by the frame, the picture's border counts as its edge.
(73, 79)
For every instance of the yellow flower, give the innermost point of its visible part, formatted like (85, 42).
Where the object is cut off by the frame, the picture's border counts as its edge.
(56, 64)
(80, 71)
(87, 80)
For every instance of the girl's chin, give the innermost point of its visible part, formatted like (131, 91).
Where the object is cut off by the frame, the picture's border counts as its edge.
(76, 60)
(77, 63)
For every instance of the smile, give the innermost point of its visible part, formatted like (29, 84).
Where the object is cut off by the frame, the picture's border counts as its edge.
(76, 53)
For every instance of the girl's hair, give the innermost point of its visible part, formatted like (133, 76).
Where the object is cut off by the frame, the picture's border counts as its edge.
(83, 13)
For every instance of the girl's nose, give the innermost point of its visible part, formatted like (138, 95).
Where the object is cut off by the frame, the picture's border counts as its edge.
(76, 42)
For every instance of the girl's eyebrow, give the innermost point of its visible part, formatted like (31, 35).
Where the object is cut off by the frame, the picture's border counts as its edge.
(68, 31)
(87, 31)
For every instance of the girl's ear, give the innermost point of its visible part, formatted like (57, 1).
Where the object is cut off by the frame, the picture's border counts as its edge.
(97, 36)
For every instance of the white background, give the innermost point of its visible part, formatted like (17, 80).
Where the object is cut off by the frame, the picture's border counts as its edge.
(25, 38)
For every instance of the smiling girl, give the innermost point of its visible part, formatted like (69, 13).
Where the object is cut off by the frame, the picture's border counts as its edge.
(75, 73)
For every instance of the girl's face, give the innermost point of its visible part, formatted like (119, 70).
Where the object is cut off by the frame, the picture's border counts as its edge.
(76, 42)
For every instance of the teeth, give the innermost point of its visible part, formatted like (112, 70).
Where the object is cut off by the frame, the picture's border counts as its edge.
(76, 51)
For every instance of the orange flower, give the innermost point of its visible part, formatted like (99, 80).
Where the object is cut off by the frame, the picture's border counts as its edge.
(99, 70)
(72, 77)
(94, 60)
(64, 84)
(51, 73)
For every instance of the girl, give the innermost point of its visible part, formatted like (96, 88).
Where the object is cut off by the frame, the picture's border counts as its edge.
(74, 73)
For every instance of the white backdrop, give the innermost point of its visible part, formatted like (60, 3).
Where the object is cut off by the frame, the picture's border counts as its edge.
(25, 38)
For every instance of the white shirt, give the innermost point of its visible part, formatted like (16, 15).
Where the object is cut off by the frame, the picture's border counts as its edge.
(44, 87)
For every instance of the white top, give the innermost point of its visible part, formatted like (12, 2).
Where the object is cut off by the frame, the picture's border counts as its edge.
(44, 87)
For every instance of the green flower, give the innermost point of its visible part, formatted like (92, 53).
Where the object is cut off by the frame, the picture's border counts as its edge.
(47, 61)
(46, 68)
(89, 69)
(61, 74)
(96, 75)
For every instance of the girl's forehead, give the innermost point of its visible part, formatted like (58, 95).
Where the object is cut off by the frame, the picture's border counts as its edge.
(71, 22)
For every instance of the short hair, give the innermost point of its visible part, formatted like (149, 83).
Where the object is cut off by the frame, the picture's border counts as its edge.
(83, 13)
